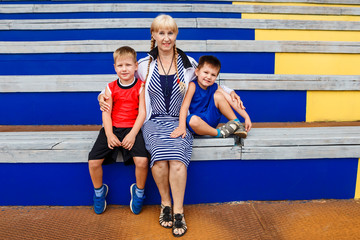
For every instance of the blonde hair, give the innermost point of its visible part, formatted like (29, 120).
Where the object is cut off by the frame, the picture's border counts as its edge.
(167, 22)
(164, 21)
(124, 51)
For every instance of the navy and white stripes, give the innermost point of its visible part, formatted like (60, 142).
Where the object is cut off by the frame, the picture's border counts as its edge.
(161, 146)
(164, 120)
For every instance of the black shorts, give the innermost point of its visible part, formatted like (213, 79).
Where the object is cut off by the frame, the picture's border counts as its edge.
(101, 150)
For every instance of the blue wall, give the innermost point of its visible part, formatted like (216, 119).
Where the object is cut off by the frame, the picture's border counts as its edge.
(60, 108)
(220, 181)
(66, 108)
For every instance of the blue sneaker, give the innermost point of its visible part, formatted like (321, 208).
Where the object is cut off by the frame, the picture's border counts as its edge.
(100, 202)
(136, 203)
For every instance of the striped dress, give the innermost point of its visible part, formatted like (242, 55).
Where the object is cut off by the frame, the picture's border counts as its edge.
(166, 96)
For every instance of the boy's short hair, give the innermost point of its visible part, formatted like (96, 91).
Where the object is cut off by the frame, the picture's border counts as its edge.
(209, 59)
(125, 50)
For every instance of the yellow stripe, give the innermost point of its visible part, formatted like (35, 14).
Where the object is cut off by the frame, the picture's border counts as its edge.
(333, 106)
(317, 63)
(297, 4)
(357, 189)
(306, 35)
(299, 17)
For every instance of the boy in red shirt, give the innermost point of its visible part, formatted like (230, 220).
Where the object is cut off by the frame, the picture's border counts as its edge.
(121, 131)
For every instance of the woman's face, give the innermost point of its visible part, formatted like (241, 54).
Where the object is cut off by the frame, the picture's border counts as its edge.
(165, 39)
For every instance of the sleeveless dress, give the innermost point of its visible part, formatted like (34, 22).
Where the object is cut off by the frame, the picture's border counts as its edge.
(166, 99)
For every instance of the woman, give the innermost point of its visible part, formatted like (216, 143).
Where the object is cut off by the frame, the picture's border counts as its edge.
(167, 72)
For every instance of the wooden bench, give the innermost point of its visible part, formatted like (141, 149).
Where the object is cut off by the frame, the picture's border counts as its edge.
(74, 146)
(302, 143)
(261, 143)
(262, 7)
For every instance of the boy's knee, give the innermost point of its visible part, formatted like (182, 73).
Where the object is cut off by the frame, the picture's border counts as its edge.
(142, 163)
(195, 121)
(218, 96)
(94, 164)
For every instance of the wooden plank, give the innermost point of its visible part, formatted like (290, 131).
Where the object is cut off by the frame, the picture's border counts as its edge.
(61, 136)
(259, 135)
(216, 153)
(302, 143)
(301, 152)
(355, 2)
(313, 130)
(48, 135)
(105, 23)
(277, 24)
(62, 147)
(98, 23)
(278, 9)
(204, 141)
(44, 156)
(76, 156)
(86, 83)
(261, 143)
(90, 46)
(282, 46)
(94, 7)
(290, 82)
(55, 83)
(174, 7)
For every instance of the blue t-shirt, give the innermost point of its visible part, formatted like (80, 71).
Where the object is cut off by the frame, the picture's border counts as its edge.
(201, 98)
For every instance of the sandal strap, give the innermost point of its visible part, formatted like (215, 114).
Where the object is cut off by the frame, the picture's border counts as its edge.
(229, 128)
(165, 215)
(179, 223)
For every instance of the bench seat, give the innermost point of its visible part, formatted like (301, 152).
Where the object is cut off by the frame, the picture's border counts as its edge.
(74, 146)
(261, 143)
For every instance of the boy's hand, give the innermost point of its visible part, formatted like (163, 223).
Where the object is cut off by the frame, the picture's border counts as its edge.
(235, 97)
(104, 106)
(248, 124)
(113, 141)
(178, 132)
(128, 141)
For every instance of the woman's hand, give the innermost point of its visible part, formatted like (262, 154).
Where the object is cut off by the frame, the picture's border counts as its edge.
(178, 132)
(104, 106)
(235, 97)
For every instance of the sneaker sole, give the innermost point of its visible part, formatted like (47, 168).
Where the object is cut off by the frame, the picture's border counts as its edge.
(131, 193)
(240, 133)
(107, 190)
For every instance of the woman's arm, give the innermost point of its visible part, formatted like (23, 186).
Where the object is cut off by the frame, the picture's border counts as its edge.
(113, 141)
(181, 129)
(102, 98)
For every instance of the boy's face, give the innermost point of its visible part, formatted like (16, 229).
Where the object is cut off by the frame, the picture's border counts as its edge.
(206, 75)
(125, 68)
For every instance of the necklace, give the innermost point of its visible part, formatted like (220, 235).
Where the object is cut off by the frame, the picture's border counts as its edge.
(166, 90)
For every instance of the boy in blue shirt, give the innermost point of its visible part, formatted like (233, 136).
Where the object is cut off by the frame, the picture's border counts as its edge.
(207, 102)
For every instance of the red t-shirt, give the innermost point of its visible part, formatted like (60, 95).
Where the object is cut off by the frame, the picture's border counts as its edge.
(125, 103)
